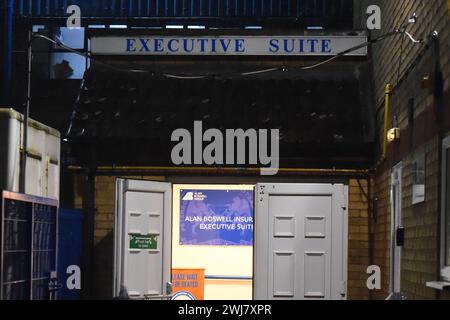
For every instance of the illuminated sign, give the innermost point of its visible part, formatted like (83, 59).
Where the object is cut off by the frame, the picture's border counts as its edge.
(216, 217)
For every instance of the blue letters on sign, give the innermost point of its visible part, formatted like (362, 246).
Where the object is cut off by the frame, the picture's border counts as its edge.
(159, 45)
(229, 45)
(240, 45)
(202, 45)
(225, 44)
(144, 44)
(312, 44)
(170, 46)
(326, 46)
(130, 45)
(274, 46)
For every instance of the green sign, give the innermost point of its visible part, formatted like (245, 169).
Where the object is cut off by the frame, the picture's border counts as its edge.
(143, 242)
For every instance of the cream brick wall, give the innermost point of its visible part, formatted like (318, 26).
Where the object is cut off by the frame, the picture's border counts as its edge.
(382, 227)
(393, 57)
(358, 240)
(392, 61)
(420, 254)
(433, 15)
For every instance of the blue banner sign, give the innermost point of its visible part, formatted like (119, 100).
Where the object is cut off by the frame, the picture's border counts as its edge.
(216, 217)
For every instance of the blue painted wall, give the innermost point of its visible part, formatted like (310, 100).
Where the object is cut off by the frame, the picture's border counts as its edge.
(69, 249)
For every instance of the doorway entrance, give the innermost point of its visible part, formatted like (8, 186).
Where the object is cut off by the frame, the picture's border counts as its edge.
(213, 232)
(263, 241)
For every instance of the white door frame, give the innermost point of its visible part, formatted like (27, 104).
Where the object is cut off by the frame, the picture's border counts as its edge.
(120, 233)
(339, 193)
(396, 222)
(445, 268)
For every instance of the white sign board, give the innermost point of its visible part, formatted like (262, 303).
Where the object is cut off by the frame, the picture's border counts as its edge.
(228, 45)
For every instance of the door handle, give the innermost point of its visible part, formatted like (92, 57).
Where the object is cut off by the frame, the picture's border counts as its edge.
(169, 288)
(400, 237)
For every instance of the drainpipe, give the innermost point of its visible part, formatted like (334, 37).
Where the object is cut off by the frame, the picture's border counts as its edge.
(386, 120)
(26, 118)
(87, 264)
(7, 51)
(371, 225)
(438, 93)
(88, 258)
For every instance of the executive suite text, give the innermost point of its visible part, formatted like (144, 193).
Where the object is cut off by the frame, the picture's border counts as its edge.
(213, 45)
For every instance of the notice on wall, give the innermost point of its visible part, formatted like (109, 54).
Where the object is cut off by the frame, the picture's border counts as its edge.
(188, 284)
(216, 217)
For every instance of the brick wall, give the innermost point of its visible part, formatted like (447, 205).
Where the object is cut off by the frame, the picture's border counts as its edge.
(358, 240)
(382, 229)
(399, 51)
(404, 65)
(420, 254)
(103, 237)
(419, 262)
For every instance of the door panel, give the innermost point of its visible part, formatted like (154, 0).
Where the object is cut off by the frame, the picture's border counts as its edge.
(284, 271)
(316, 272)
(143, 238)
(298, 227)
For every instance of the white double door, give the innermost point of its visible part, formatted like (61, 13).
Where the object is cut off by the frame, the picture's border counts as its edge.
(300, 240)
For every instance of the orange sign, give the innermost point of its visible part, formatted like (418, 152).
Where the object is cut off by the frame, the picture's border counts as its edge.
(188, 284)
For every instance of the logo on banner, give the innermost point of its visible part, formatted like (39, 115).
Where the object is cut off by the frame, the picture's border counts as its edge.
(189, 196)
(195, 196)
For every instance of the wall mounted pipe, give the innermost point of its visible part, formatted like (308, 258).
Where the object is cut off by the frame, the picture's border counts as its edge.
(217, 170)
(386, 121)
(7, 44)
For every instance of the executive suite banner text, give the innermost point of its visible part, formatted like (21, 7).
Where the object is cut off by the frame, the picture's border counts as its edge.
(228, 45)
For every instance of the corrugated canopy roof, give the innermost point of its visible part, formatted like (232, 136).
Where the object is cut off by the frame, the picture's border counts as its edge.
(137, 114)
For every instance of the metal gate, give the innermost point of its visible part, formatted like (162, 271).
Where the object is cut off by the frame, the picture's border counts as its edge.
(28, 246)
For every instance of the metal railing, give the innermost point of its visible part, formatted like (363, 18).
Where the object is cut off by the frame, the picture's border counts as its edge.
(324, 12)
